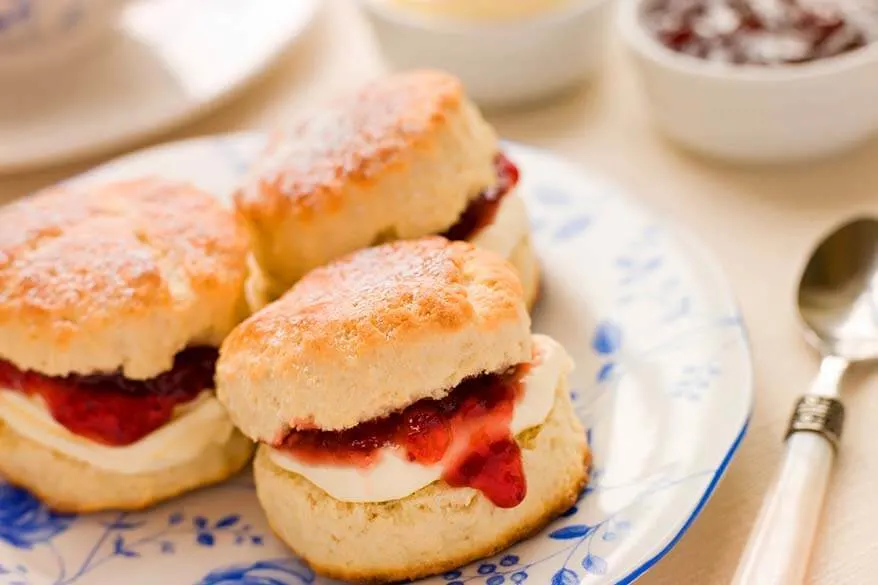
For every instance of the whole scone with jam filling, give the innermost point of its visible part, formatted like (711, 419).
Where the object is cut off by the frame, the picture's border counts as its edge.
(404, 157)
(114, 300)
(409, 421)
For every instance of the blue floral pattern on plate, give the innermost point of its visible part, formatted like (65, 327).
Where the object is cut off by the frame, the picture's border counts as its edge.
(663, 383)
(282, 571)
(24, 522)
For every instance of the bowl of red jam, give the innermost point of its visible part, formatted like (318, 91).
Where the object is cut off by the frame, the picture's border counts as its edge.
(768, 81)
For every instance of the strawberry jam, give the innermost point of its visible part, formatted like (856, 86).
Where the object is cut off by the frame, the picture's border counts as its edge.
(763, 32)
(113, 410)
(481, 211)
(467, 432)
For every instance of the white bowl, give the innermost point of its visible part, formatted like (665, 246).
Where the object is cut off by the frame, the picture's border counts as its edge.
(500, 63)
(38, 33)
(751, 113)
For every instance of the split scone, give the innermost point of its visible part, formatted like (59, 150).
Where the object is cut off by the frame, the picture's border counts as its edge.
(405, 157)
(409, 421)
(113, 302)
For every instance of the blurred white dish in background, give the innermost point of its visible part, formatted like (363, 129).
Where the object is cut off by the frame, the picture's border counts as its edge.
(755, 113)
(167, 62)
(501, 61)
(35, 34)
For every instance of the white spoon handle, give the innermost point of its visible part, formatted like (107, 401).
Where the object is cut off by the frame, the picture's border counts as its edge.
(780, 544)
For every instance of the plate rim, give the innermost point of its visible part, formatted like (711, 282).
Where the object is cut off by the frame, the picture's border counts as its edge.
(718, 475)
(692, 247)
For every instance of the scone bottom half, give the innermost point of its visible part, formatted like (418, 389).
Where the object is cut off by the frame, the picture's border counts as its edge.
(387, 466)
(499, 488)
(115, 299)
(97, 442)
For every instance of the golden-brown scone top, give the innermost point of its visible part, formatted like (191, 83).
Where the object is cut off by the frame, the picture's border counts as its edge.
(372, 333)
(122, 275)
(398, 159)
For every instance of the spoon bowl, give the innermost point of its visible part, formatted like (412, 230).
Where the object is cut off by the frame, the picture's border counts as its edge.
(838, 297)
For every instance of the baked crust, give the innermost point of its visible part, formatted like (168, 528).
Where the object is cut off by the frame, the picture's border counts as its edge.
(423, 534)
(69, 485)
(372, 333)
(119, 276)
(399, 159)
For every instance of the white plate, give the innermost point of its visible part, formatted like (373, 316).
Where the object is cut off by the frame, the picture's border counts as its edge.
(663, 383)
(168, 61)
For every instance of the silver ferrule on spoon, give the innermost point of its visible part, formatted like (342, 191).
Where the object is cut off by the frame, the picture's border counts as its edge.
(779, 548)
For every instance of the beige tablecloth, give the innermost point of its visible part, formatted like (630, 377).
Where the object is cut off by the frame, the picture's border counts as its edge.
(759, 223)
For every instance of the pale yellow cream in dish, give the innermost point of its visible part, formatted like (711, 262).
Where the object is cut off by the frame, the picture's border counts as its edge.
(479, 10)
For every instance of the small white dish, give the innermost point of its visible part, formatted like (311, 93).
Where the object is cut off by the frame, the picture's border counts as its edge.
(166, 62)
(35, 34)
(501, 63)
(752, 113)
(663, 382)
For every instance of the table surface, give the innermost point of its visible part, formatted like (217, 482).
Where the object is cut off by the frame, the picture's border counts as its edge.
(758, 222)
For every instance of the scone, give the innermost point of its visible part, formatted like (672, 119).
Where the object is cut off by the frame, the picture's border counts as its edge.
(407, 156)
(113, 303)
(409, 421)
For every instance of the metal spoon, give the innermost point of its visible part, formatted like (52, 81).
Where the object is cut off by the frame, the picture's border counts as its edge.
(838, 305)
